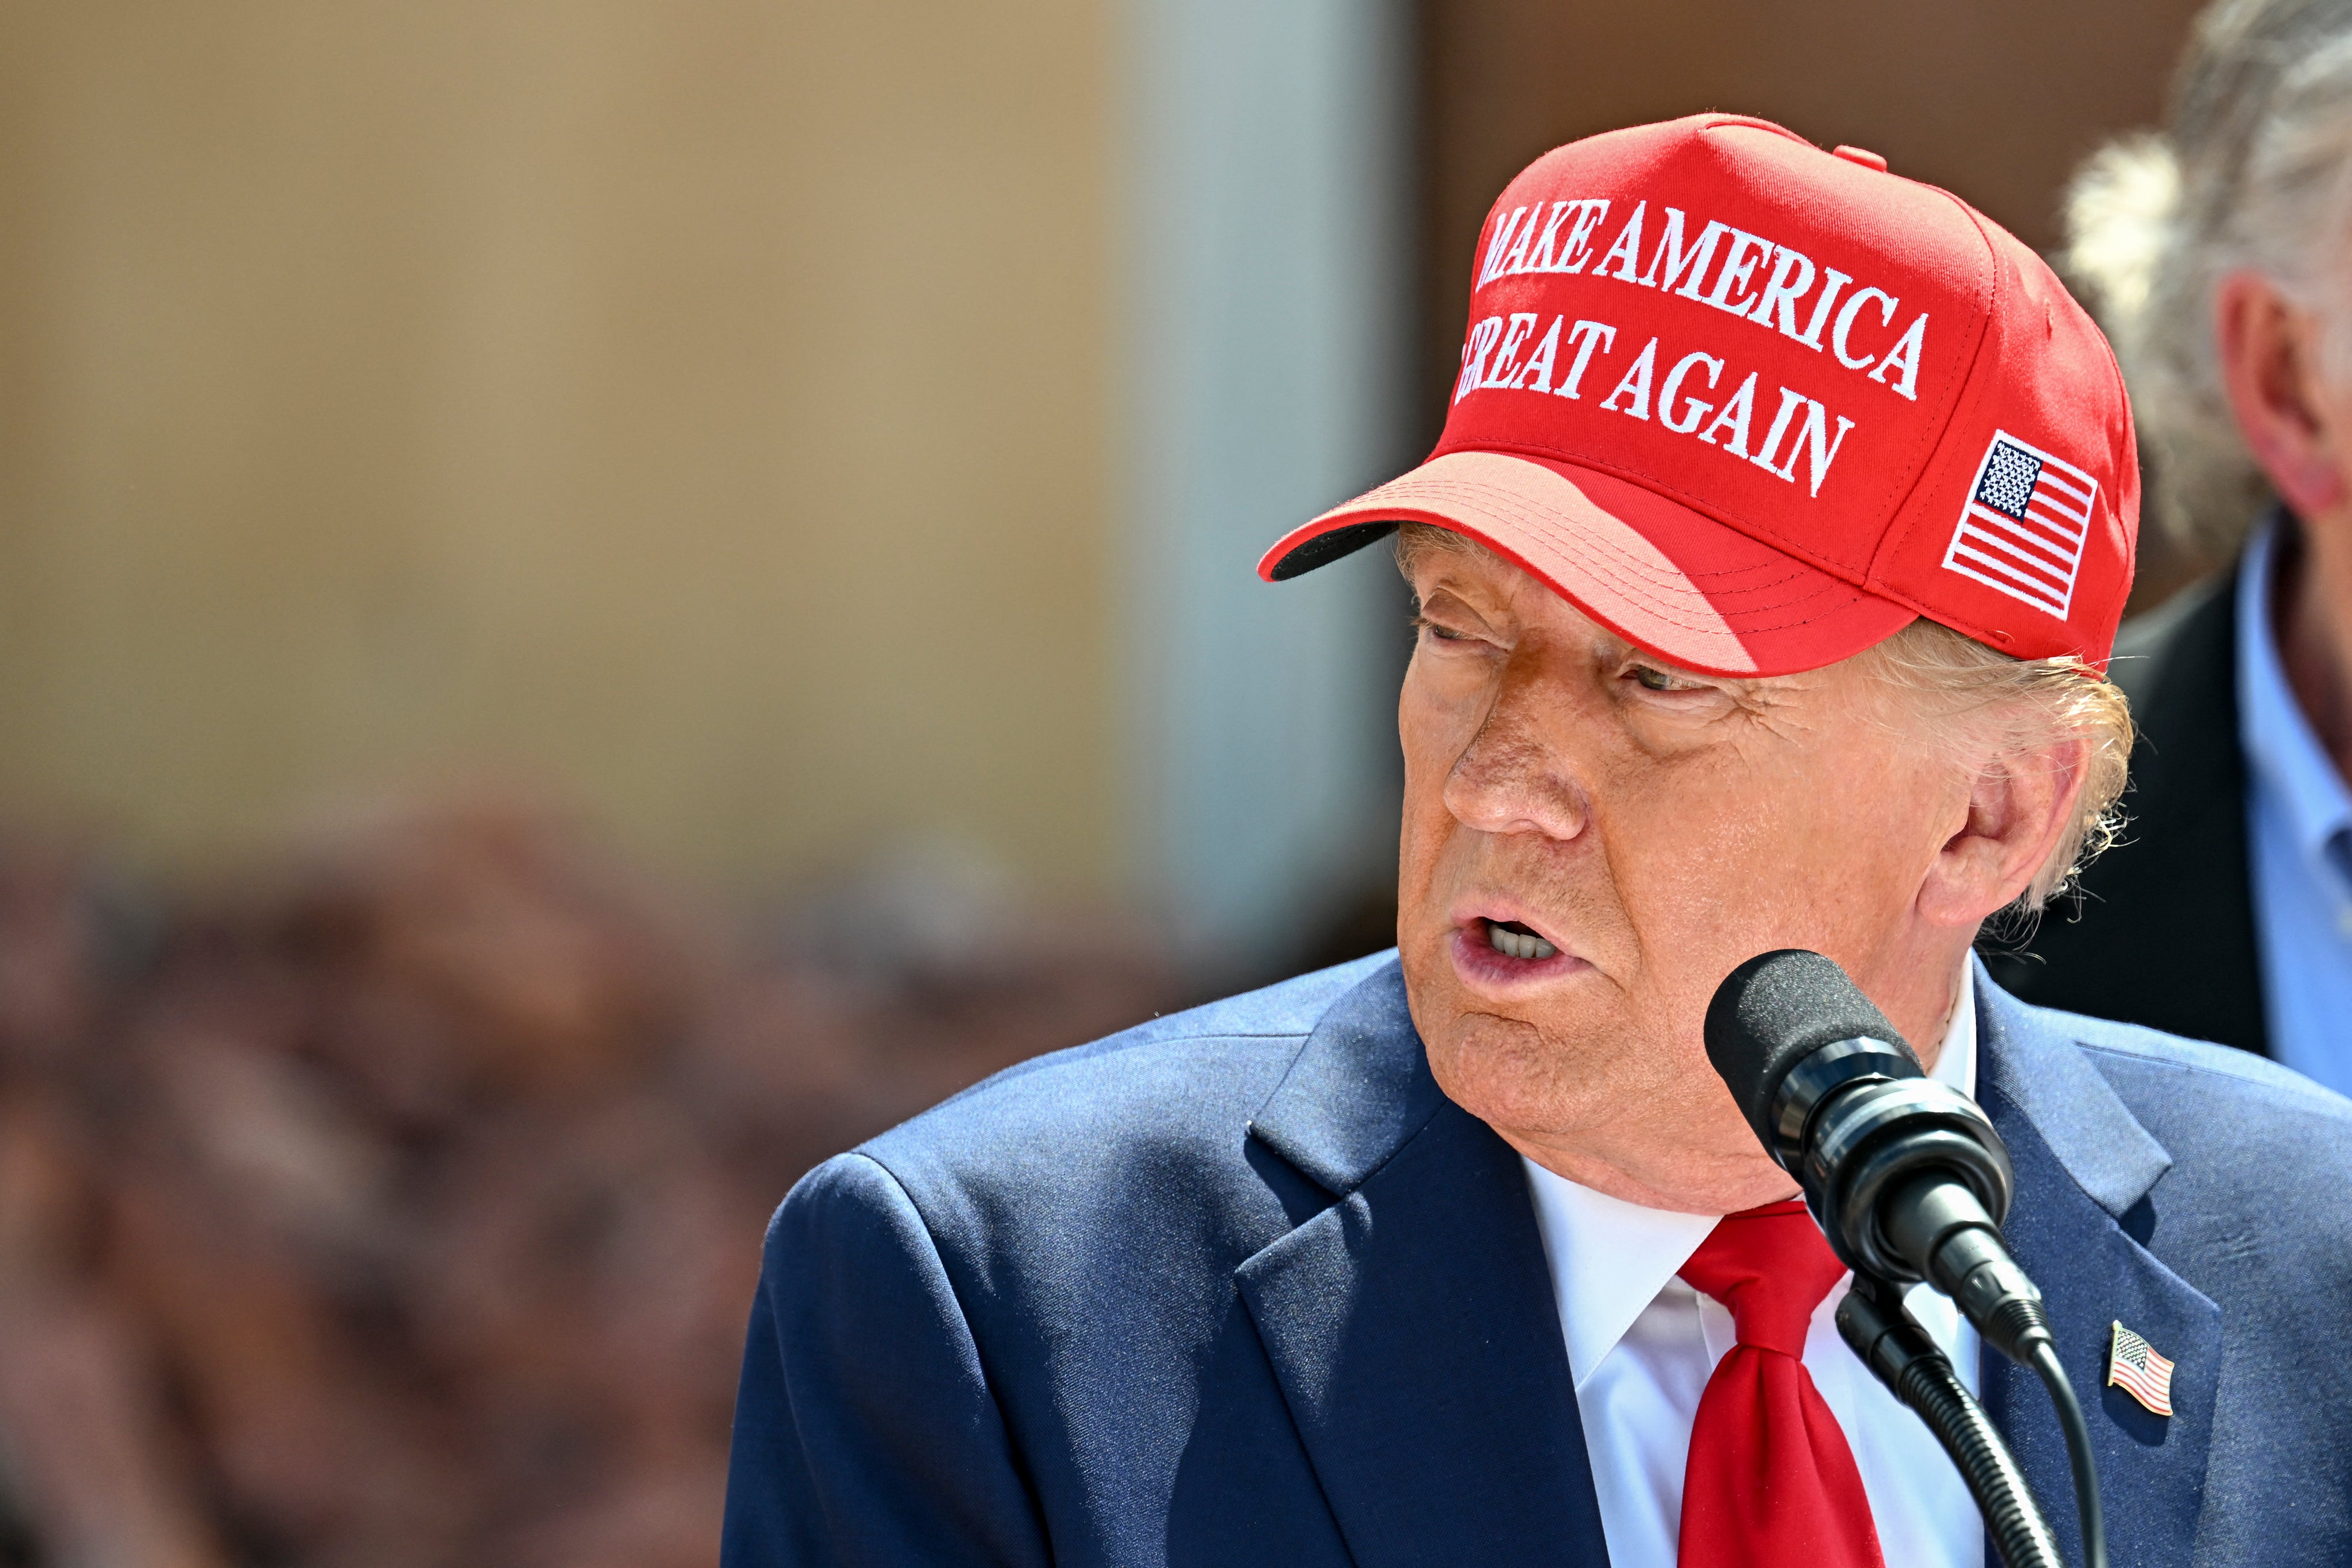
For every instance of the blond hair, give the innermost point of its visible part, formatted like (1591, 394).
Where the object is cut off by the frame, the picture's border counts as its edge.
(1987, 702)
(2024, 707)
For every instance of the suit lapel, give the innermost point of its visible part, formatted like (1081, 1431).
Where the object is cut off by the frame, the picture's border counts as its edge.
(1412, 1325)
(2088, 1177)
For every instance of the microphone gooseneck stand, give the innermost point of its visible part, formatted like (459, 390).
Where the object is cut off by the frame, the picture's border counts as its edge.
(1926, 1203)
(1873, 1319)
(1909, 1182)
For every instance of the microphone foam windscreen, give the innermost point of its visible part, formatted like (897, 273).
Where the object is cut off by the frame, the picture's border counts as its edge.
(1775, 1009)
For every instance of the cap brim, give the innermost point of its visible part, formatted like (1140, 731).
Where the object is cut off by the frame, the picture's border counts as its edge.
(1698, 593)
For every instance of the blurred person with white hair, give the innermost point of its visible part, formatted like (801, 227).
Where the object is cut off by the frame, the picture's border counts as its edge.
(2218, 253)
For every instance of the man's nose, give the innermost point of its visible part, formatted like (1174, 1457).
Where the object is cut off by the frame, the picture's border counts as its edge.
(1516, 776)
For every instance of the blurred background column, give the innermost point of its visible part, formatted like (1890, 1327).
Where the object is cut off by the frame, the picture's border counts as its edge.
(1270, 335)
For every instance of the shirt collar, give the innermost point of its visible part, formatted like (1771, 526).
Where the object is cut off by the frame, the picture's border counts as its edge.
(2287, 762)
(1609, 1259)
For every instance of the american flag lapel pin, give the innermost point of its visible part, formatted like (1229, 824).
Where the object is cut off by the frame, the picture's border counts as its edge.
(2134, 1367)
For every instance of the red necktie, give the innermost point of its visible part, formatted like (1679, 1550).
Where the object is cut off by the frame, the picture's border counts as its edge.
(1770, 1482)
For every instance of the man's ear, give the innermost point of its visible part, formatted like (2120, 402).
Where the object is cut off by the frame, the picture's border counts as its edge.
(2018, 808)
(2270, 368)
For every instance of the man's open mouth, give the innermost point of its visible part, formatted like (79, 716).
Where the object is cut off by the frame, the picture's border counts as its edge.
(1516, 940)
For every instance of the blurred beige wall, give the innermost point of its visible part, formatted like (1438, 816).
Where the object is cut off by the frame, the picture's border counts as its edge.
(701, 406)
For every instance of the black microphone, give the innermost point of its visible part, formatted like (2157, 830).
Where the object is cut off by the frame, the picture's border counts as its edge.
(1907, 1177)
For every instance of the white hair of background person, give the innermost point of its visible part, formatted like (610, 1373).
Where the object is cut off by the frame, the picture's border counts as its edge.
(2253, 172)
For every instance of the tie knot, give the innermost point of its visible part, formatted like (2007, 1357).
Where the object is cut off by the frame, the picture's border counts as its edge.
(1770, 1267)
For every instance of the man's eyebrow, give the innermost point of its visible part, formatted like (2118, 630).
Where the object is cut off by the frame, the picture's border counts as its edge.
(1444, 587)
(1455, 571)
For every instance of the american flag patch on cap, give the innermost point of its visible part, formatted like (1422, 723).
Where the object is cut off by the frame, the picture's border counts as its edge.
(2134, 1367)
(2023, 529)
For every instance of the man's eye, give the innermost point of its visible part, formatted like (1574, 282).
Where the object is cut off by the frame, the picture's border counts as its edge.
(1659, 680)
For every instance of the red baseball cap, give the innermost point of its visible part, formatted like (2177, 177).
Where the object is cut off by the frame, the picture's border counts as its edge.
(1754, 406)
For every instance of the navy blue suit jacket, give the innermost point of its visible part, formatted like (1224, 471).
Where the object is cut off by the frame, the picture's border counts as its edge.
(1243, 1286)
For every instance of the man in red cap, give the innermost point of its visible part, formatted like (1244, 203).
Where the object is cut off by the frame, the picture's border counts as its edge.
(1767, 570)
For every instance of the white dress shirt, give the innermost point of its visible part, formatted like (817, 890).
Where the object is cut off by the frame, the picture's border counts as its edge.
(1641, 1345)
(2298, 843)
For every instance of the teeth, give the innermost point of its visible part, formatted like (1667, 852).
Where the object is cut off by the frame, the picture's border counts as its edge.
(1517, 944)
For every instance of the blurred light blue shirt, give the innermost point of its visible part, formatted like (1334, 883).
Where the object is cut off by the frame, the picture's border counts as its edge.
(2299, 841)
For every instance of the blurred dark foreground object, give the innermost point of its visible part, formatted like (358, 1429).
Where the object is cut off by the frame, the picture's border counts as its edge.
(406, 1210)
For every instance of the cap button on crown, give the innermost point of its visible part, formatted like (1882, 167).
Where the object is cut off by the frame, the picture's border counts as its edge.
(1862, 156)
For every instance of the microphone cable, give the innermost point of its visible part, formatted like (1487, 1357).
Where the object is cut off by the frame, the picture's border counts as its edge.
(2087, 1509)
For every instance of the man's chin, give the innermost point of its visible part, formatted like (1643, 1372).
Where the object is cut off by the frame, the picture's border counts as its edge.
(1505, 1070)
